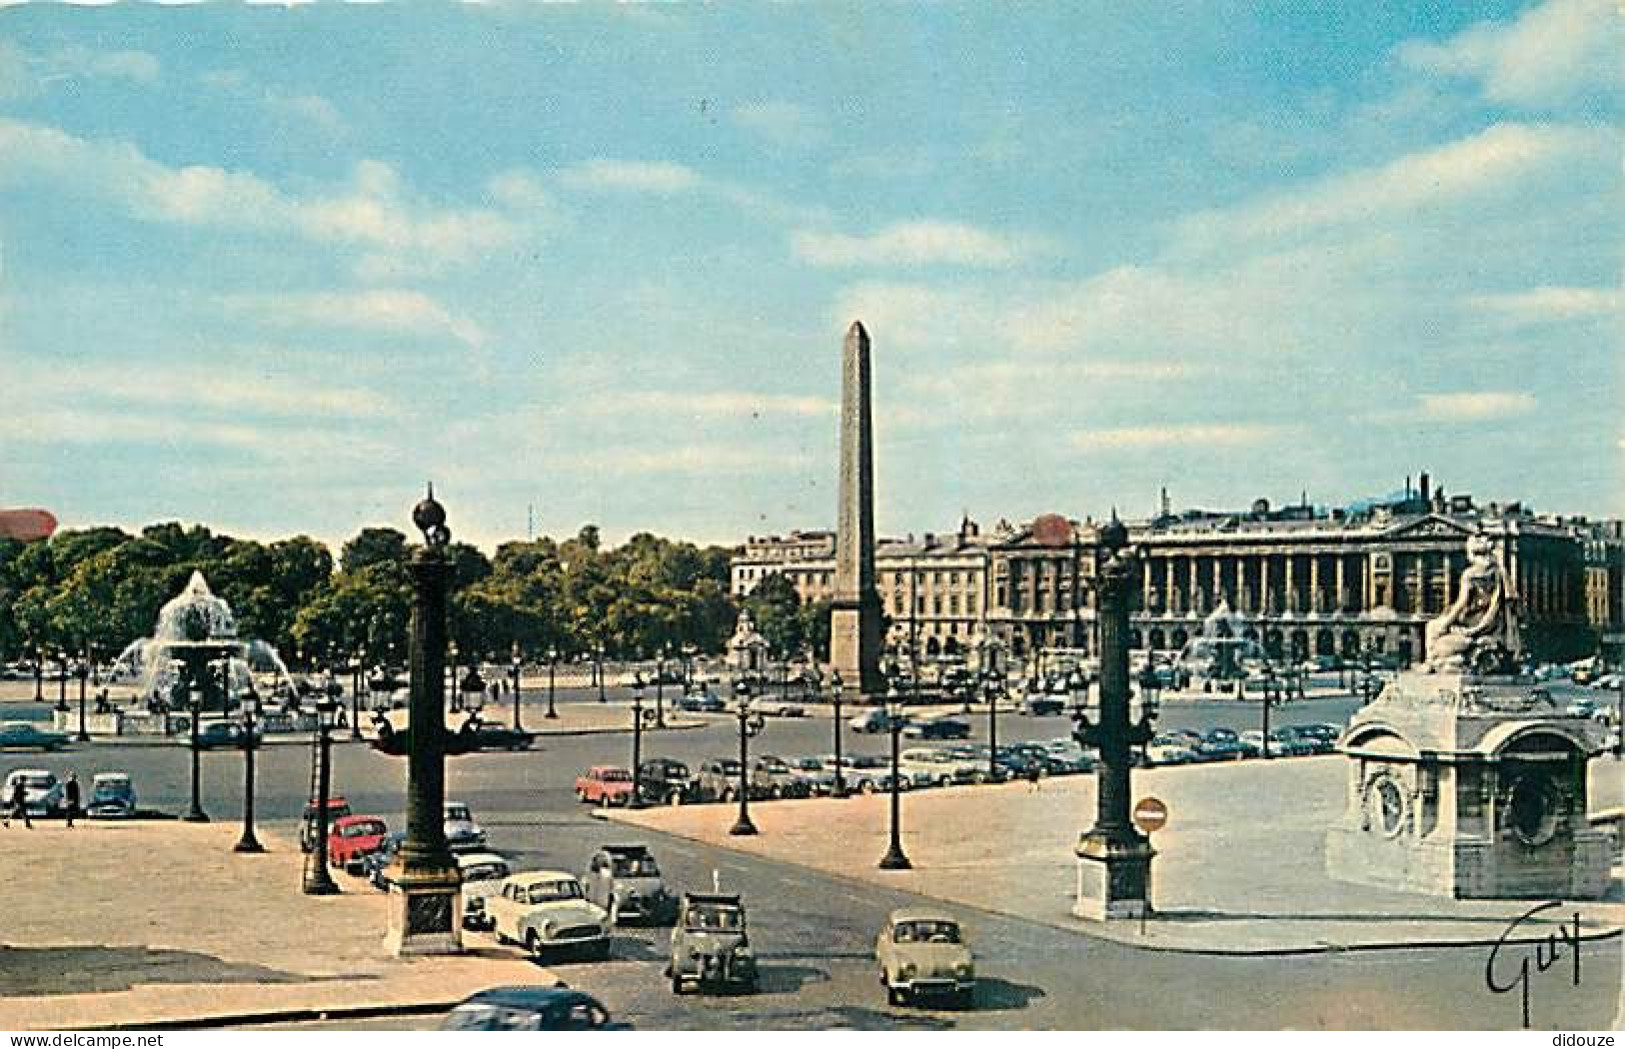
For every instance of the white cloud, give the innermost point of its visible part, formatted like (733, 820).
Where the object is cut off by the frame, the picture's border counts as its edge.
(24, 73)
(781, 123)
(384, 309)
(311, 112)
(1551, 304)
(203, 391)
(1481, 165)
(924, 243)
(709, 405)
(1475, 407)
(375, 213)
(1547, 56)
(702, 459)
(631, 176)
(1224, 435)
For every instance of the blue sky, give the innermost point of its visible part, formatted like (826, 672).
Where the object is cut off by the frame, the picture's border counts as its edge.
(271, 268)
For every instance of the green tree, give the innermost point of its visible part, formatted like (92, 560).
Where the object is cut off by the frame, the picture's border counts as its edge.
(776, 608)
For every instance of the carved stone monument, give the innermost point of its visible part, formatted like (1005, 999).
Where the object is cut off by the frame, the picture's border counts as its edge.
(1465, 779)
(854, 617)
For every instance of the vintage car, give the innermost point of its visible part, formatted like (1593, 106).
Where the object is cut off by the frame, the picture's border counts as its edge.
(604, 785)
(352, 839)
(378, 867)
(482, 878)
(112, 796)
(221, 735)
(462, 832)
(626, 882)
(544, 910)
(42, 792)
(868, 721)
(936, 767)
(489, 735)
(337, 809)
(523, 1008)
(718, 780)
(771, 777)
(923, 953)
(937, 728)
(863, 773)
(23, 735)
(811, 771)
(666, 781)
(709, 947)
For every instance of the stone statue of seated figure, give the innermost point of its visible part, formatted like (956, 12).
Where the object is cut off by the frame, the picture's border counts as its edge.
(1479, 632)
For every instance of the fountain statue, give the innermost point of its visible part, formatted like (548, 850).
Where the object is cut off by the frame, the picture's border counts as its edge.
(1480, 630)
(1221, 651)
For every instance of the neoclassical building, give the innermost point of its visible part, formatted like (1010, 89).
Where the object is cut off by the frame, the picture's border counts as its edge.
(1303, 582)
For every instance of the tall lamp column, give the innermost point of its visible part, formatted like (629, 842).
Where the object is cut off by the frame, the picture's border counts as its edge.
(640, 717)
(318, 880)
(838, 788)
(751, 724)
(84, 675)
(250, 704)
(895, 860)
(552, 670)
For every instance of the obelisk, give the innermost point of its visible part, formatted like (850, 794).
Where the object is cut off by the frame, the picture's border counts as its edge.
(854, 618)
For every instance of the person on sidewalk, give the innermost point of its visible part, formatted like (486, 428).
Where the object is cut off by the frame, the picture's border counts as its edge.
(70, 797)
(17, 805)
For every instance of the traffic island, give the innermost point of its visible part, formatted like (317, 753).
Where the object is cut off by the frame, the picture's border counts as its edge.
(162, 925)
(1240, 863)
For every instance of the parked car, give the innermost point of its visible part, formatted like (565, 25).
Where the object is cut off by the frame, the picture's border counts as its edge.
(1221, 745)
(337, 809)
(709, 944)
(462, 832)
(868, 721)
(24, 735)
(666, 781)
(489, 735)
(376, 866)
(1169, 750)
(773, 778)
(934, 767)
(702, 703)
(42, 792)
(1284, 743)
(923, 953)
(626, 882)
(542, 910)
(1580, 708)
(221, 735)
(863, 773)
(1039, 704)
(352, 839)
(811, 772)
(482, 878)
(112, 796)
(776, 708)
(937, 728)
(604, 785)
(526, 1008)
(1322, 736)
(718, 780)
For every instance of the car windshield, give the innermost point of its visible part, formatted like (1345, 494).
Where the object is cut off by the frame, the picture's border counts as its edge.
(113, 789)
(809, 764)
(548, 891)
(729, 767)
(768, 765)
(458, 812)
(40, 782)
(478, 1016)
(715, 917)
(636, 867)
(614, 775)
(926, 932)
(361, 830)
(485, 871)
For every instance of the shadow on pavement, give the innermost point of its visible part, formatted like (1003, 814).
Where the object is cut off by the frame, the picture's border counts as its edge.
(866, 1019)
(773, 978)
(993, 993)
(99, 970)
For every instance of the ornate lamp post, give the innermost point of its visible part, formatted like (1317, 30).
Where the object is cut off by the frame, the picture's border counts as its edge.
(751, 724)
(451, 679)
(990, 691)
(424, 899)
(598, 664)
(838, 789)
(515, 665)
(62, 681)
(552, 669)
(194, 671)
(357, 663)
(640, 717)
(1269, 701)
(250, 709)
(895, 860)
(661, 655)
(1114, 859)
(318, 881)
(82, 671)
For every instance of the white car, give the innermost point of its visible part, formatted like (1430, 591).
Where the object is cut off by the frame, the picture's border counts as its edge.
(482, 878)
(42, 793)
(462, 832)
(928, 766)
(1167, 750)
(548, 909)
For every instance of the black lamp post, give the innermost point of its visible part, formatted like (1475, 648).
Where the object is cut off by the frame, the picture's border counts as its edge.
(62, 681)
(751, 724)
(250, 703)
(552, 669)
(194, 670)
(598, 656)
(640, 717)
(1269, 701)
(895, 860)
(39, 674)
(661, 656)
(990, 691)
(456, 693)
(838, 789)
(318, 881)
(83, 673)
(515, 665)
(357, 662)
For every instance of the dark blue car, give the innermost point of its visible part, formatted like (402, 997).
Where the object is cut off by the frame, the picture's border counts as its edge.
(528, 1008)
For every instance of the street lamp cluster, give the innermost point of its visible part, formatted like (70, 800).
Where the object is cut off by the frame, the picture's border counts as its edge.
(751, 724)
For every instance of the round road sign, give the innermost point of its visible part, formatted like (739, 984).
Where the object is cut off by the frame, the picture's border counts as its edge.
(1150, 814)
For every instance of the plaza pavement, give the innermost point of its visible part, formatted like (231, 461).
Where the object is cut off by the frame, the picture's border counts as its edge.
(1240, 865)
(147, 923)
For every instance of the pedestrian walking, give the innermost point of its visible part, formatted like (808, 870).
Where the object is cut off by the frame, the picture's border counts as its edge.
(70, 797)
(17, 804)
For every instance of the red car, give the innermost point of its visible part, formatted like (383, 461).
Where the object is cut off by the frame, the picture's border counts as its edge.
(605, 785)
(352, 839)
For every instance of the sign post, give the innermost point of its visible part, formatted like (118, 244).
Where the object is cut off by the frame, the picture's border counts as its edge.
(1150, 815)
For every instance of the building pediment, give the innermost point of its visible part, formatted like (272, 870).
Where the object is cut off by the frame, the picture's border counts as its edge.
(1431, 525)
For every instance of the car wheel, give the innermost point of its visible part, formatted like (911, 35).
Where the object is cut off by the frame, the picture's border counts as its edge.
(866, 787)
(676, 983)
(533, 943)
(945, 781)
(978, 777)
(776, 793)
(894, 995)
(603, 801)
(727, 795)
(674, 798)
(581, 794)
(614, 910)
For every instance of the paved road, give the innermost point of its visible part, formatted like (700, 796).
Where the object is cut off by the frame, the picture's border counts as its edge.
(815, 933)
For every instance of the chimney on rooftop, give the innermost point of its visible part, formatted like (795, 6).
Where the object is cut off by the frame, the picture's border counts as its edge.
(1425, 492)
